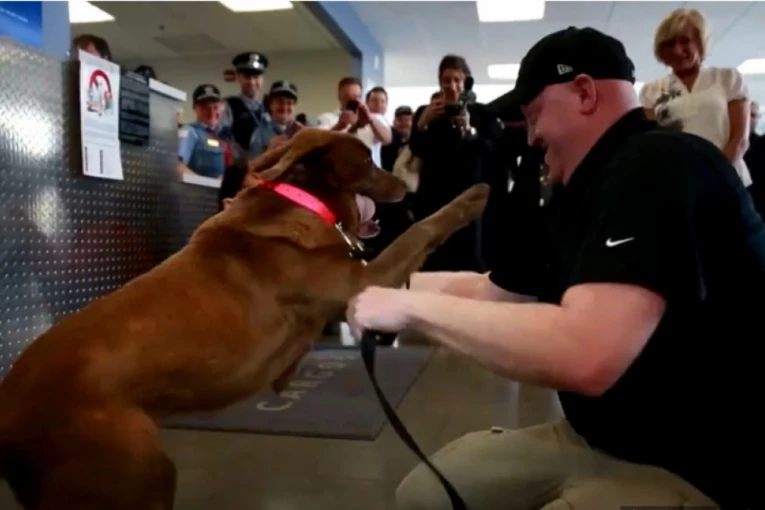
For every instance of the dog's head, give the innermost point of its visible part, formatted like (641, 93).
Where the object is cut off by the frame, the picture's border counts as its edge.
(319, 160)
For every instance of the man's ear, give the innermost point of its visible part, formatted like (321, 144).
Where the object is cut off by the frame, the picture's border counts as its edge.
(585, 88)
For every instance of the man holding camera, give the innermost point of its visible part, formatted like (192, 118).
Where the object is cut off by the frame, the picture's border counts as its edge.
(354, 117)
(454, 138)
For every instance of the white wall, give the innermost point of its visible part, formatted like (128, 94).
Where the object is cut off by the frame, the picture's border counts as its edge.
(315, 73)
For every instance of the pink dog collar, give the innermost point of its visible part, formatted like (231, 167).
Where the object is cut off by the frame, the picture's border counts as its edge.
(301, 198)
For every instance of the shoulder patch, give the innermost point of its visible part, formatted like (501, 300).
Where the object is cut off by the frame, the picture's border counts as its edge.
(183, 133)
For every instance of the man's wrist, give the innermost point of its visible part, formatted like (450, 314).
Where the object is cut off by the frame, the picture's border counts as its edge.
(412, 301)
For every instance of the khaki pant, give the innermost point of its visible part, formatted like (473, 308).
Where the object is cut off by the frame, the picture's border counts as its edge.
(546, 467)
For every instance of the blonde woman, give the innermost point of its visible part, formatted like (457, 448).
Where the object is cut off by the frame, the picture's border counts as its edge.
(710, 102)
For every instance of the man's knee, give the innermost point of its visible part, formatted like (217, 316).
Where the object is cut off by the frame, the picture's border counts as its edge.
(421, 489)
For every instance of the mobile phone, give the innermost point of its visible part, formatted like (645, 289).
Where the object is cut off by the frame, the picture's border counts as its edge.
(352, 105)
(452, 110)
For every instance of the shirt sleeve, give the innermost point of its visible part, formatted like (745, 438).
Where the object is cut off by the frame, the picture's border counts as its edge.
(643, 232)
(419, 141)
(733, 84)
(187, 139)
(384, 121)
(647, 95)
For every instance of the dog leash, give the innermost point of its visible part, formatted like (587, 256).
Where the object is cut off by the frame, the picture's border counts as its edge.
(368, 348)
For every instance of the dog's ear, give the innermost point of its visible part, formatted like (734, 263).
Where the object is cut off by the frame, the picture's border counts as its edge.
(272, 164)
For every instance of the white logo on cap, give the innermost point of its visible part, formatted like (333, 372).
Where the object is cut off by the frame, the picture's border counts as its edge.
(255, 61)
(563, 69)
(209, 90)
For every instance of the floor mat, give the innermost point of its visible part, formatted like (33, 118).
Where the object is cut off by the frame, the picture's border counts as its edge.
(330, 396)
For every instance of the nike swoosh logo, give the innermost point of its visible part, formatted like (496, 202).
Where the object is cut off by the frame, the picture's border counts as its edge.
(610, 243)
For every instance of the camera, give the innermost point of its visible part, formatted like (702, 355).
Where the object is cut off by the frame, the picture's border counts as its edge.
(459, 109)
(352, 105)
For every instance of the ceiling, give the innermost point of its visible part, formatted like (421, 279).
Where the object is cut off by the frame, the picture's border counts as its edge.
(415, 35)
(158, 30)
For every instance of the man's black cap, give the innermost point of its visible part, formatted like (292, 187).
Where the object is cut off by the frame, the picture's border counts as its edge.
(283, 88)
(402, 110)
(250, 62)
(559, 58)
(206, 92)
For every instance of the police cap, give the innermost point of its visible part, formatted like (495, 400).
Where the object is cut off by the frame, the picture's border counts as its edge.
(283, 88)
(250, 62)
(206, 92)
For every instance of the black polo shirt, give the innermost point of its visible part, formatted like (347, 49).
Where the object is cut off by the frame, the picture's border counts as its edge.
(665, 211)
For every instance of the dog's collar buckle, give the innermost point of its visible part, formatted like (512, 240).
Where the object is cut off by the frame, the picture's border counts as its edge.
(356, 248)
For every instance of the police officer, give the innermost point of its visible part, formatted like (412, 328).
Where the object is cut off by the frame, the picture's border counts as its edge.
(245, 112)
(204, 149)
(282, 124)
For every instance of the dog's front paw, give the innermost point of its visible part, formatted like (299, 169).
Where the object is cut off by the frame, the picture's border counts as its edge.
(472, 201)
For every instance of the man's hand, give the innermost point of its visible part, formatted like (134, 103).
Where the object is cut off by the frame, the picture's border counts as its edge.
(433, 111)
(462, 120)
(379, 309)
(277, 141)
(346, 120)
(294, 128)
(364, 116)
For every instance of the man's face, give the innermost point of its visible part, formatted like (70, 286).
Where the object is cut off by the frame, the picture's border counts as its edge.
(282, 109)
(250, 83)
(209, 112)
(378, 102)
(452, 83)
(403, 124)
(554, 118)
(347, 93)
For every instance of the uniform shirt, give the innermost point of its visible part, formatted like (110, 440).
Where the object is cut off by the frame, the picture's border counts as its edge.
(664, 210)
(262, 136)
(204, 150)
(703, 110)
(242, 128)
(365, 134)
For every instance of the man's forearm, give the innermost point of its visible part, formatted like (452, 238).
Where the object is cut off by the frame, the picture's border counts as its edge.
(381, 130)
(526, 342)
(457, 283)
(736, 148)
(465, 284)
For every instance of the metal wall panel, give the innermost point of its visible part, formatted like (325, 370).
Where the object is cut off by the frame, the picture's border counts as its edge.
(66, 239)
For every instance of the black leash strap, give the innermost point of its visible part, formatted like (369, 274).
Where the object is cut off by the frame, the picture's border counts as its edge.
(368, 348)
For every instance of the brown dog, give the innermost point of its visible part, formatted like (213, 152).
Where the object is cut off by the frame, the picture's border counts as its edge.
(230, 314)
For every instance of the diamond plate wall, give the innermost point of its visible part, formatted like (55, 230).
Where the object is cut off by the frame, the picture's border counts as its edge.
(66, 239)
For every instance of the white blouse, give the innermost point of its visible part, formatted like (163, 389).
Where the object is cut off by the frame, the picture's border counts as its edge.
(703, 110)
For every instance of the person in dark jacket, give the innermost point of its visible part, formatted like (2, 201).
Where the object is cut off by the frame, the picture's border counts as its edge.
(455, 146)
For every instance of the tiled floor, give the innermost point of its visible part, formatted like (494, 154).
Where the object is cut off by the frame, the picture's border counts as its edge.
(225, 471)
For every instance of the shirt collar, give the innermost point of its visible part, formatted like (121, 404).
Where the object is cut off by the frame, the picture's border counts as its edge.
(633, 122)
(205, 127)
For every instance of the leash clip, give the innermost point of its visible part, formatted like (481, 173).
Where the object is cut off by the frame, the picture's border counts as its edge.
(356, 248)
